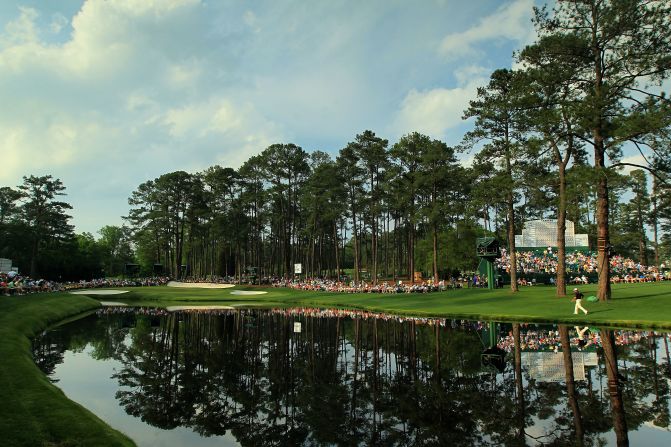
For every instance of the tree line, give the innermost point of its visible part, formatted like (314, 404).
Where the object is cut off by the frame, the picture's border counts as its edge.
(365, 210)
(548, 139)
(35, 233)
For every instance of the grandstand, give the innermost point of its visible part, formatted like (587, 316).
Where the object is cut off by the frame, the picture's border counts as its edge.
(6, 265)
(543, 233)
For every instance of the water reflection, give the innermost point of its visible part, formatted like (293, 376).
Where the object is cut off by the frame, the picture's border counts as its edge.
(569, 374)
(359, 378)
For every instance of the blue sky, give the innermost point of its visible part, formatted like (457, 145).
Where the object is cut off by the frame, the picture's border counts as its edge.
(108, 94)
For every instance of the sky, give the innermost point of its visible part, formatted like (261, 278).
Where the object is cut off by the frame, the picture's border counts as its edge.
(105, 95)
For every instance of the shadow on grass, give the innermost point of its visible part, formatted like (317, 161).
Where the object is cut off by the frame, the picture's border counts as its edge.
(470, 301)
(600, 311)
(638, 297)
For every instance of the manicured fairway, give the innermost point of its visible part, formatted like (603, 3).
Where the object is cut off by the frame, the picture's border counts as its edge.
(633, 305)
(34, 412)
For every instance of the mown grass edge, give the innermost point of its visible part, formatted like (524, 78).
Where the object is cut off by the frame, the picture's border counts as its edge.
(34, 412)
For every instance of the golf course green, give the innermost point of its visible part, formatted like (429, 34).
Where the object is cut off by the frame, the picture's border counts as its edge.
(34, 412)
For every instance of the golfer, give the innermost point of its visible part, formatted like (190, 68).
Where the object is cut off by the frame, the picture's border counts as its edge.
(577, 297)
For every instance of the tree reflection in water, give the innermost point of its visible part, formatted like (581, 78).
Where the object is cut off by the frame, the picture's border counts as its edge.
(614, 387)
(378, 381)
(571, 392)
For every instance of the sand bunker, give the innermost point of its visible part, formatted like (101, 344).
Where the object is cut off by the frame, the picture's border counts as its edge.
(200, 285)
(112, 303)
(177, 308)
(247, 292)
(99, 292)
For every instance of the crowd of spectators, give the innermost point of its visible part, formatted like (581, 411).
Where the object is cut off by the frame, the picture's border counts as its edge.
(328, 285)
(580, 265)
(112, 282)
(12, 283)
(349, 286)
(212, 279)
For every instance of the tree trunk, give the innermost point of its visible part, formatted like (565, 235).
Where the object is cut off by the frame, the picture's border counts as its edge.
(336, 245)
(287, 250)
(411, 251)
(355, 238)
(510, 199)
(313, 245)
(603, 239)
(602, 203)
(561, 233)
(435, 254)
(570, 385)
(373, 248)
(386, 246)
(355, 232)
(654, 221)
(642, 251)
(511, 245)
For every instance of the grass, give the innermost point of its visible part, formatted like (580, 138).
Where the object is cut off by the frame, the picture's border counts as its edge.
(33, 412)
(36, 413)
(633, 305)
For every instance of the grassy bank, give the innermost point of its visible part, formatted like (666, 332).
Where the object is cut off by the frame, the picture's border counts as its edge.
(633, 305)
(33, 412)
(36, 413)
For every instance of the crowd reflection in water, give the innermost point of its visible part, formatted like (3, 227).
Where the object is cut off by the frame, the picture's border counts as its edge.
(356, 377)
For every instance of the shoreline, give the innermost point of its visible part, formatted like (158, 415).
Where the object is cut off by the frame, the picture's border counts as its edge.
(36, 412)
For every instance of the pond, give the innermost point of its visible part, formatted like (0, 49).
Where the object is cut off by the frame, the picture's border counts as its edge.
(329, 377)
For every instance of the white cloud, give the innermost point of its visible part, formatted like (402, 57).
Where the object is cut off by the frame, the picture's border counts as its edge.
(58, 22)
(633, 159)
(226, 118)
(21, 30)
(122, 91)
(251, 21)
(509, 22)
(471, 74)
(134, 92)
(184, 75)
(216, 117)
(197, 120)
(63, 143)
(433, 111)
(437, 110)
(467, 159)
(184, 120)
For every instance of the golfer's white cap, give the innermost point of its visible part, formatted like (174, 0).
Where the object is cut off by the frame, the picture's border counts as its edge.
(575, 290)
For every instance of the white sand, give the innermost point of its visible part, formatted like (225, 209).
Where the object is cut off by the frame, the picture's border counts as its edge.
(200, 285)
(176, 308)
(99, 292)
(112, 303)
(247, 292)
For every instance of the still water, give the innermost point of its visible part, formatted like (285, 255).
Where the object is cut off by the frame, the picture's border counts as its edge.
(324, 377)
